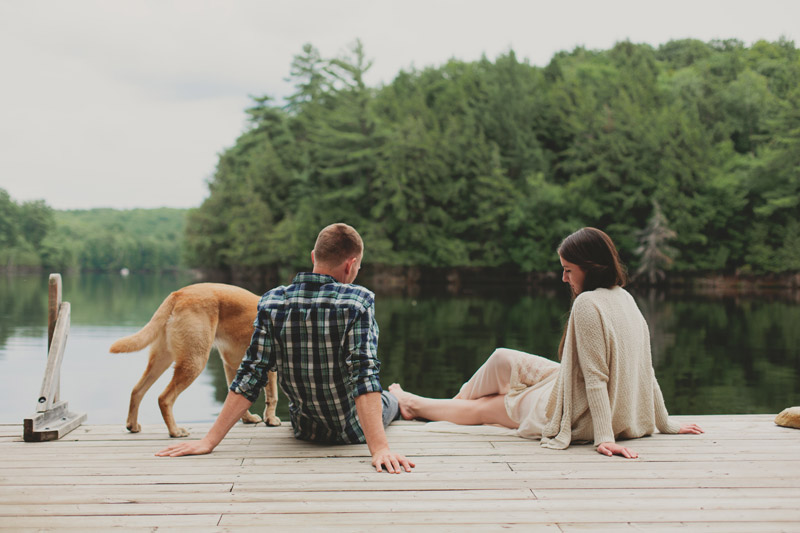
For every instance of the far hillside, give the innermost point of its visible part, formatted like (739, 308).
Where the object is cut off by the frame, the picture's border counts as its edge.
(111, 239)
(34, 236)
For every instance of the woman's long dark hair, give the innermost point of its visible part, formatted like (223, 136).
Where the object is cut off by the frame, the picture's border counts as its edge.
(594, 252)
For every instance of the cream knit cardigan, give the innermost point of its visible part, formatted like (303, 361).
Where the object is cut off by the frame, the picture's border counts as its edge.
(606, 388)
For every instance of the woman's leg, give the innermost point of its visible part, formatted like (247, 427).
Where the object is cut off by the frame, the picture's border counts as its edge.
(485, 410)
(493, 377)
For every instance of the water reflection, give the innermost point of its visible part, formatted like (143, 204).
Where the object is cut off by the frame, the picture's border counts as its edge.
(23, 303)
(712, 353)
(725, 354)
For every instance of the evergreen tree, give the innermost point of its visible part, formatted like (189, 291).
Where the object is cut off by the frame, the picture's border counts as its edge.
(655, 253)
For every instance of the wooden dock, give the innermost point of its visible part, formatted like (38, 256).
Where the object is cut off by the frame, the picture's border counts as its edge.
(743, 474)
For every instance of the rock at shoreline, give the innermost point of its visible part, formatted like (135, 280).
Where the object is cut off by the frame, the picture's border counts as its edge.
(789, 417)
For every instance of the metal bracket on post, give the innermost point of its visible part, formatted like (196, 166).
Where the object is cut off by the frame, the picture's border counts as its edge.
(53, 419)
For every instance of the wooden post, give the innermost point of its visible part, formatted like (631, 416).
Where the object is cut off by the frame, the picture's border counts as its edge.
(53, 419)
(54, 301)
(51, 383)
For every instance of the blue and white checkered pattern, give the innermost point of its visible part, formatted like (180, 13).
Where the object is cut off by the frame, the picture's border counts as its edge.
(322, 338)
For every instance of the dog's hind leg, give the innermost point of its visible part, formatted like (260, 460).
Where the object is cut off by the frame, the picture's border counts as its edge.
(183, 376)
(230, 375)
(157, 364)
(271, 392)
(189, 339)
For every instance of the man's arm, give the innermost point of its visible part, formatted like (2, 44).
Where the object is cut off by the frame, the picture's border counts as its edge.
(364, 367)
(370, 409)
(232, 410)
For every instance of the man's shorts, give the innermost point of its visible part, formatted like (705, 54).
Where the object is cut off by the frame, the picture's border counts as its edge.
(391, 408)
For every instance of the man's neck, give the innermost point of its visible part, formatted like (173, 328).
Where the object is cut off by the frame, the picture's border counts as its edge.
(328, 272)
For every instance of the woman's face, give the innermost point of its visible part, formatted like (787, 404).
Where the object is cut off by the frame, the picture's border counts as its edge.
(574, 275)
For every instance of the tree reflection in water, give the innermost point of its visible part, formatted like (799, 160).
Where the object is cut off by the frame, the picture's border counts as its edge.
(712, 354)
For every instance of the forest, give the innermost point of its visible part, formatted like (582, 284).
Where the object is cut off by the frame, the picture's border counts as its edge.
(687, 154)
(34, 236)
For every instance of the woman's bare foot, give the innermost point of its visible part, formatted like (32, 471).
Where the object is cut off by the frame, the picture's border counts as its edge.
(405, 399)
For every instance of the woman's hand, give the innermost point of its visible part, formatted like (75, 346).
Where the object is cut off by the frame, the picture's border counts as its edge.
(692, 429)
(612, 448)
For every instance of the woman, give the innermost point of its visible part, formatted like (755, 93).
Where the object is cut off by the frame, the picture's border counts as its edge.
(603, 389)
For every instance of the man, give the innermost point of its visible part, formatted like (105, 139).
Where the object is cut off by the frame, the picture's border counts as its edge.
(320, 334)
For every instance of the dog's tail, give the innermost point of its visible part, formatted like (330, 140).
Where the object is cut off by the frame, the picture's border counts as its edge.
(151, 330)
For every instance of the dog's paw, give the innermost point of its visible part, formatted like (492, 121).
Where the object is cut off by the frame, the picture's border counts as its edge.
(179, 432)
(134, 428)
(250, 418)
(273, 421)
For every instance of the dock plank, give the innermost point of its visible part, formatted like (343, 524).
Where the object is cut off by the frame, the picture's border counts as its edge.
(741, 475)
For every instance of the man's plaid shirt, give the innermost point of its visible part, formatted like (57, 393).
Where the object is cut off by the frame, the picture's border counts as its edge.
(322, 338)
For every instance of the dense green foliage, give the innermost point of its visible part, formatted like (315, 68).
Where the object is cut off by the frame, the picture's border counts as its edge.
(688, 155)
(23, 230)
(35, 236)
(492, 163)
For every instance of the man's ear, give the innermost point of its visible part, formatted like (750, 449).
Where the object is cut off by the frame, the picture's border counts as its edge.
(312, 257)
(348, 265)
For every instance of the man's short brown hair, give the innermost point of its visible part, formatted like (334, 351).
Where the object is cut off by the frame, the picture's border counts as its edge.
(337, 243)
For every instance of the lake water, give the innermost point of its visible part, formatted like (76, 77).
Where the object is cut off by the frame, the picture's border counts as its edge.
(713, 354)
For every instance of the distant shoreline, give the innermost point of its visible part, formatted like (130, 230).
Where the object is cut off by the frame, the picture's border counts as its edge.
(456, 280)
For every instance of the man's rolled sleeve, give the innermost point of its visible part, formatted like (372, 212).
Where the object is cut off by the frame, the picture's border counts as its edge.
(252, 374)
(365, 365)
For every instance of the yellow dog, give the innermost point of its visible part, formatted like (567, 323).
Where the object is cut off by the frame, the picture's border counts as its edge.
(183, 329)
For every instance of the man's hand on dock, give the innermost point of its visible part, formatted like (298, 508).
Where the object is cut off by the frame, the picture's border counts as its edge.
(194, 447)
(394, 463)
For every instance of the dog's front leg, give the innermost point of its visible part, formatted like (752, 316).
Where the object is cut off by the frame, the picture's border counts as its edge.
(271, 392)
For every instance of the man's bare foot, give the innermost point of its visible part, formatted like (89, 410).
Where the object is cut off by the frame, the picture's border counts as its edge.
(404, 399)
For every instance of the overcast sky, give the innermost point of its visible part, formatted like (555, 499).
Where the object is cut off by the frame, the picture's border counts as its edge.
(128, 103)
